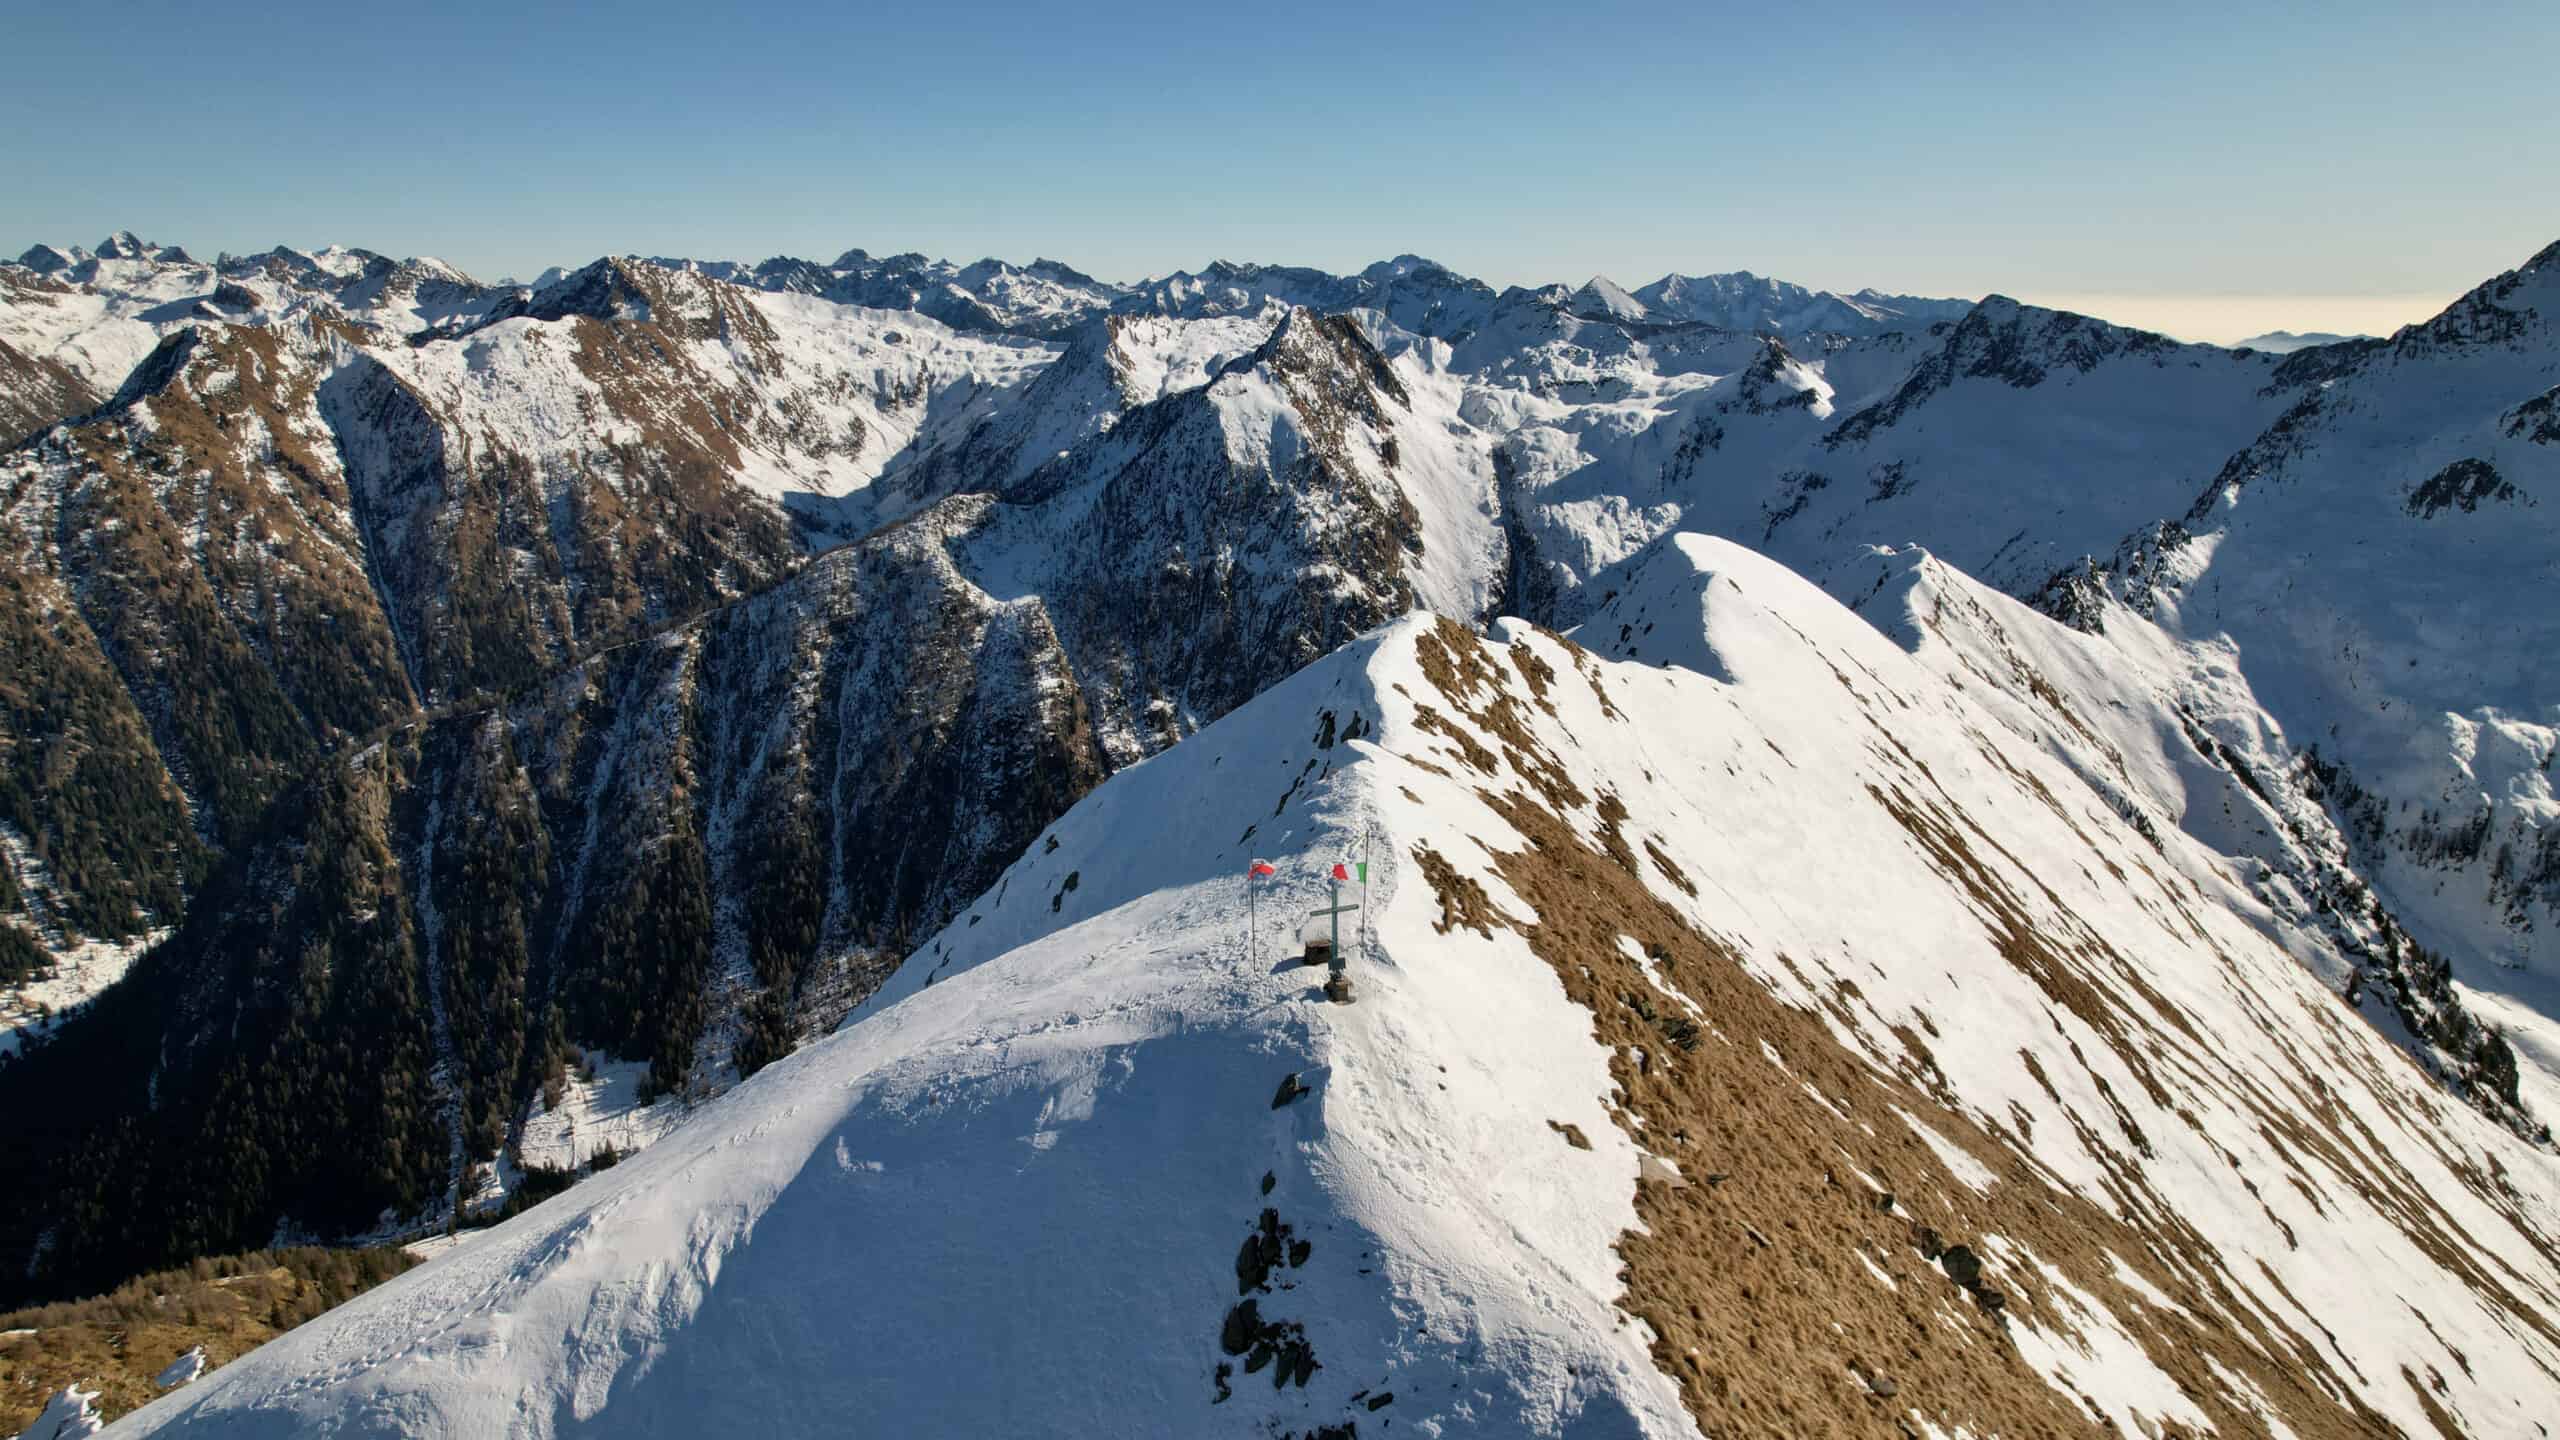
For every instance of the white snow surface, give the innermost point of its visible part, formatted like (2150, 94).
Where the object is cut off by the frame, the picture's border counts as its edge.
(1003, 1198)
(181, 1371)
(70, 1414)
(593, 1114)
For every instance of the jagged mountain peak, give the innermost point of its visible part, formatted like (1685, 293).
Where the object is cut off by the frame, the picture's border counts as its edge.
(2506, 309)
(1306, 342)
(620, 288)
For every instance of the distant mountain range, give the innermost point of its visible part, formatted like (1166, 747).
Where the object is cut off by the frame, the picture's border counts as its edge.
(2285, 342)
(1418, 295)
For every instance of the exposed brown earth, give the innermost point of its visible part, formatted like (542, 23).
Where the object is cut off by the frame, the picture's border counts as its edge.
(1788, 1295)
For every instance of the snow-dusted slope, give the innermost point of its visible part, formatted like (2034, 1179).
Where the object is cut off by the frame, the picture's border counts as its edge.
(2173, 736)
(2379, 562)
(2011, 443)
(99, 328)
(1712, 996)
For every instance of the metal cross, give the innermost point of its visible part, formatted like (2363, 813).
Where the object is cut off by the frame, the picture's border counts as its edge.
(1337, 910)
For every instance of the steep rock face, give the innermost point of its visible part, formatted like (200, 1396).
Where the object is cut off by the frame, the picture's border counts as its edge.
(1228, 534)
(2047, 1133)
(34, 393)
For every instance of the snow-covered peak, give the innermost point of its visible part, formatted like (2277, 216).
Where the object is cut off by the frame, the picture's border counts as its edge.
(1601, 296)
(45, 260)
(2021, 346)
(1401, 267)
(612, 288)
(125, 245)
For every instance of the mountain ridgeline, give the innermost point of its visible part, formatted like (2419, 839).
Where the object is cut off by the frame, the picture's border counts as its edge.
(467, 685)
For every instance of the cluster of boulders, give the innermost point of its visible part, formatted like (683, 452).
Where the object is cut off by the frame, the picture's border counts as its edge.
(1280, 1345)
(1271, 1244)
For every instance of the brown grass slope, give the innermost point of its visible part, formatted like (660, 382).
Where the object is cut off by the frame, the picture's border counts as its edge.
(1788, 1296)
(118, 1343)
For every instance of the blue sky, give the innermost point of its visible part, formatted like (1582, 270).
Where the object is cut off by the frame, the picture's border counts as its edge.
(2228, 155)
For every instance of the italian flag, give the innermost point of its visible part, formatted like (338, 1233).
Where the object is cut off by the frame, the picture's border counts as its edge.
(1357, 874)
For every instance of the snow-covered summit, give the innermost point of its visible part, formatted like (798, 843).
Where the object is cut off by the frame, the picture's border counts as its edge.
(1750, 1035)
(1601, 297)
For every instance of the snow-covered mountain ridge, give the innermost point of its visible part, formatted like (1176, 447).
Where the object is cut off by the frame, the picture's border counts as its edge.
(515, 659)
(1635, 1127)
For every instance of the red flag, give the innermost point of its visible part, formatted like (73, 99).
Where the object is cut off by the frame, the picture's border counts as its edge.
(1341, 871)
(1260, 868)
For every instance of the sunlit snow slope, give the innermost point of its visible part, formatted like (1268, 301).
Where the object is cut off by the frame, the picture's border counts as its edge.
(1725, 1009)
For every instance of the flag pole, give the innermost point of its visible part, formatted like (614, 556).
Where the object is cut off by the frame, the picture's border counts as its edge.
(1335, 886)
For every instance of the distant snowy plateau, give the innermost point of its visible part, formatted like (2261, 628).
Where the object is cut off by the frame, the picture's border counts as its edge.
(1935, 868)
